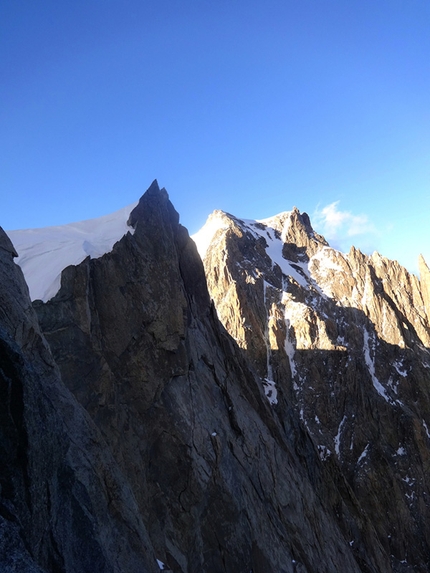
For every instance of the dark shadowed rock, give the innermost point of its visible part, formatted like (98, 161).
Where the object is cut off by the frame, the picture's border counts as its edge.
(6, 244)
(64, 504)
(221, 481)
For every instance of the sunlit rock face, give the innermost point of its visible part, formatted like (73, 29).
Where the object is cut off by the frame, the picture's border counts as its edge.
(292, 436)
(342, 340)
(425, 283)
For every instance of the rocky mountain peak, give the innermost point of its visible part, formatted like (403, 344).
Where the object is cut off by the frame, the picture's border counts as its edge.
(217, 221)
(299, 238)
(6, 243)
(283, 427)
(344, 340)
(218, 482)
(153, 205)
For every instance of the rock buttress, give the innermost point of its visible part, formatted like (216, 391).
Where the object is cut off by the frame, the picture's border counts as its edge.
(222, 484)
(65, 506)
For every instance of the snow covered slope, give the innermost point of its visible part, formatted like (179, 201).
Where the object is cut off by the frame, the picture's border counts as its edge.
(44, 253)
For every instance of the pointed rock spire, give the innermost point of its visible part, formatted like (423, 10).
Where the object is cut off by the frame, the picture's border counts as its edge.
(153, 204)
(6, 243)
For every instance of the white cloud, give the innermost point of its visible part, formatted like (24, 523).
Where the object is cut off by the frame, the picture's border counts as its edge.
(338, 227)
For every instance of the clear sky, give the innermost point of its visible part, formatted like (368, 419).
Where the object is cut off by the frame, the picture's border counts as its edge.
(251, 107)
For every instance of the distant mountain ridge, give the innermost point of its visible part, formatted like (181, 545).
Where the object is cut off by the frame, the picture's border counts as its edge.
(266, 409)
(344, 340)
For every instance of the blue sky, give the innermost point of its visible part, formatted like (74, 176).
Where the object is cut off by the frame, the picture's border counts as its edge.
(247, 106)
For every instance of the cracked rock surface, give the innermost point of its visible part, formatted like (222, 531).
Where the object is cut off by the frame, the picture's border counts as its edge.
(278, 428)
(64, 503)
(342, 341)
(222, 484)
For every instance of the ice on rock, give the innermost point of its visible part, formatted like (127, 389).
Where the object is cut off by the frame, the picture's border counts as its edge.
(363, 454)
(270, 391)
(371, 367)
(44, 253)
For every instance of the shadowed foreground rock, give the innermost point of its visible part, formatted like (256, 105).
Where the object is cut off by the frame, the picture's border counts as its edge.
(190, 463)
(64, 504)
(221, 483)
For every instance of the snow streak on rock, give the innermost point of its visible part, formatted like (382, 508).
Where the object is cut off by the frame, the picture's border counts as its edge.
(371, 367)
(324, 452)
(363, 454)
(270, 232)
(268, 383)
(337, 438)
(270, 391)
(334, 323)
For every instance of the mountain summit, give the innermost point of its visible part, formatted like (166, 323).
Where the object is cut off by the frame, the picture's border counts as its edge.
(343, 340)
(266, 409)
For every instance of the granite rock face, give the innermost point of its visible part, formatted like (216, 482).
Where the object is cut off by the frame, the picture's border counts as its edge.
(425, 284)
(222, 483)
(342, 340)
(289, 437)
(64, 503)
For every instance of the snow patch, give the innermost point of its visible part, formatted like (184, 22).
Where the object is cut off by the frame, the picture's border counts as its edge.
(363, 454)
(274, 251)
(400, 369)
(321, 266)
(371, 367)
(203, 238)
(280, 222)
(426, 429)
(270, 391)
(326, 262)
(323, 452)
(340, 341)
(337, 438)
(44, 253)
(401, 451)
(393, 386)
(274, 231)
(161, 565)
